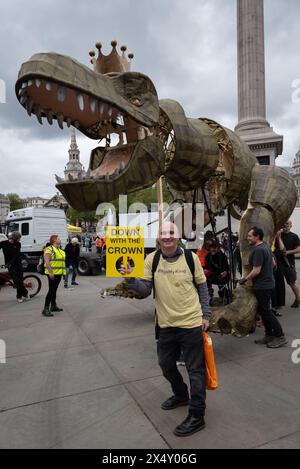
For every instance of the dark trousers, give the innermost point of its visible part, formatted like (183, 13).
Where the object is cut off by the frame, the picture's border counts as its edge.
(53, 286)
(278, 296)
(221, 282)
(17, 276)
(271, 323)
(170, 342)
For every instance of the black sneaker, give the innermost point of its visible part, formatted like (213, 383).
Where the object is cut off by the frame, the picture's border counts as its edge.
(278, 342)
(75, 283)
(174, 402)
(55, 309)
(65, 285)
(265, 340)
(295, 304)
(190, 425)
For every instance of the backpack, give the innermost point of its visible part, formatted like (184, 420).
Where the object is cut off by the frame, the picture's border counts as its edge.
(41, 265)
(190, 262)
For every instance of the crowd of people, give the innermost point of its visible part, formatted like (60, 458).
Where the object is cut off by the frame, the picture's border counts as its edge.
(182, 282)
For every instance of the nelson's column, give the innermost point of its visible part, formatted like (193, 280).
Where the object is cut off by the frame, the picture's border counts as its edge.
(253, 127)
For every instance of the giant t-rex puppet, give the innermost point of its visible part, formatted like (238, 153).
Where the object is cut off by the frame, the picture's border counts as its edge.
(155, 138)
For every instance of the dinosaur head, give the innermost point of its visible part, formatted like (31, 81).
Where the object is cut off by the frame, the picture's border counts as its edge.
(120, 108)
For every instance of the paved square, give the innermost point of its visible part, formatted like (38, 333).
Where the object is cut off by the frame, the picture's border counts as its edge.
(89, 378)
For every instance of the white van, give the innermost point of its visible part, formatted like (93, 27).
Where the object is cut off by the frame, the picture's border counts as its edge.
(36, 225)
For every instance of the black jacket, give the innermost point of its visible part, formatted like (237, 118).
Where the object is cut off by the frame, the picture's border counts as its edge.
(12, 253)
(72, 254)
(217, 263)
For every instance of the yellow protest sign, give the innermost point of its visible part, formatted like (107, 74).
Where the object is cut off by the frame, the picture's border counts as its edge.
(125, 246)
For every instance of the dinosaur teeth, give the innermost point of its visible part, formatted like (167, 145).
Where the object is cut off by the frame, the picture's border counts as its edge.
(148, 132)
(59, 179)
(80, 102)
(93, 103)
(60, 119)
(69, 121)
(24, 84)
(141, 133)
(30, 82)
(23, 99)
(37, 82)
(29, 106)
(49, 115)
(120, 120)
(101, 108)
(121, 139)
(38, 113)
(48, 86)
(107, 177)
(122, 165)
(110, 111)
(21, 91)
(61, 94)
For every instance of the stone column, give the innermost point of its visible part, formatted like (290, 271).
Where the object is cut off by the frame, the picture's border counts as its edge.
(252, 125)
(251, 64)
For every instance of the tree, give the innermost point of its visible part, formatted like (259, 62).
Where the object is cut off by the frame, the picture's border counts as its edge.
(83, 219)
(15, 201)
(149, 196)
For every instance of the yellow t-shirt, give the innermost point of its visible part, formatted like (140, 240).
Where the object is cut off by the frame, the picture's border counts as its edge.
(176, 298)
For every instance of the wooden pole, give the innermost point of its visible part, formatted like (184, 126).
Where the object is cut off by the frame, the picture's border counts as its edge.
(159, 191)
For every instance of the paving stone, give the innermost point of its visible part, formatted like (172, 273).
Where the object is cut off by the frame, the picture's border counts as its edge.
(107, 418)
(38, 377)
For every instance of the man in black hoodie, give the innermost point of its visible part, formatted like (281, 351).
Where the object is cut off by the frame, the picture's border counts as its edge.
(72, 251)
(12, 255)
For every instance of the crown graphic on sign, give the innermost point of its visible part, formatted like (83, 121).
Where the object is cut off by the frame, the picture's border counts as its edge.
(112, 63)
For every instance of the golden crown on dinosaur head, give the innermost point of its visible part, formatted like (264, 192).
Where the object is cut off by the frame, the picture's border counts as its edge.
(112, 63)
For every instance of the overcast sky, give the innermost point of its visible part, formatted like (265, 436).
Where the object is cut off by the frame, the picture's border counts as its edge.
(188, 48)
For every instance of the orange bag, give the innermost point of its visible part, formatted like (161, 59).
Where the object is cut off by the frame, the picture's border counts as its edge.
(210, 366)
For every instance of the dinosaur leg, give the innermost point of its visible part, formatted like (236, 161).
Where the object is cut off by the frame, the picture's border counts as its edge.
(271, 201)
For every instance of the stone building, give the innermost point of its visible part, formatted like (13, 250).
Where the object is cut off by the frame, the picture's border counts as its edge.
(296, 175)
(57, 201)
(4, 208)
(35, 202)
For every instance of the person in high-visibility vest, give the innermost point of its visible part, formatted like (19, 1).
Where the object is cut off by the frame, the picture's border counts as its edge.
(99, 244)
(202, 252)
(55, 269)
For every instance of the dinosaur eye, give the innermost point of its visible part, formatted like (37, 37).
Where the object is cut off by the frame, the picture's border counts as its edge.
(136, 101)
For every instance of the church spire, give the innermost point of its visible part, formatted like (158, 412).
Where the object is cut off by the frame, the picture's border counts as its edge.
(74, 167)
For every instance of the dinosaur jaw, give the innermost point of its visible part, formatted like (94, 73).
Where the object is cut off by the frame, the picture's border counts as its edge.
(114, 171)
(95, 117)
(59, 88)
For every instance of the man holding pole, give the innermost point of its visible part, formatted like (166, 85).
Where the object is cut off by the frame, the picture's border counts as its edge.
(182, 318)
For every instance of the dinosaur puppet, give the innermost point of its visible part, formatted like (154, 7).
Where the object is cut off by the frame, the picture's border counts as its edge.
(155, 138)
